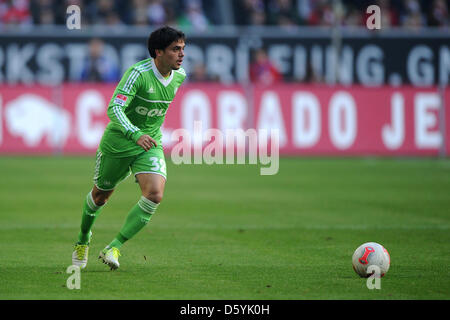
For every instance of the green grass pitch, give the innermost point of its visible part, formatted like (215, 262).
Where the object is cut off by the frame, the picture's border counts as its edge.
(226, 232)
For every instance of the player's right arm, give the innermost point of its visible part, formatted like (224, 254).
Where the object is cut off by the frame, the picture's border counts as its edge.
(121, 99)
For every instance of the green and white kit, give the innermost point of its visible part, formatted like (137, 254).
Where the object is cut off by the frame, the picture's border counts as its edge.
(138, 106)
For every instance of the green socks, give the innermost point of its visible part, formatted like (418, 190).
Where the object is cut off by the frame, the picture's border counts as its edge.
(118, 241)
(137, 218)
(90, 214)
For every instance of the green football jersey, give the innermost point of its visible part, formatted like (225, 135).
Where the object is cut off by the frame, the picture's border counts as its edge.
(139, 106)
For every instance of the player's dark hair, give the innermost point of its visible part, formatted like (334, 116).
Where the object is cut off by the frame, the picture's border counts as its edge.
(161, 38)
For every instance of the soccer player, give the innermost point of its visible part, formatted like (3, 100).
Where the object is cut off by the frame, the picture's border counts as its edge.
(131, 142)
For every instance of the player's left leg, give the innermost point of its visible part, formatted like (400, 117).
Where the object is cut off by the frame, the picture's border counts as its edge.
(150, 172)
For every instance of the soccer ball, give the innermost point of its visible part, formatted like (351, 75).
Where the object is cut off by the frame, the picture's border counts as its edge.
(368, 257)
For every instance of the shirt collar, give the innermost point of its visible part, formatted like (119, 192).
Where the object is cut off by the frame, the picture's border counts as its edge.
(165, 82)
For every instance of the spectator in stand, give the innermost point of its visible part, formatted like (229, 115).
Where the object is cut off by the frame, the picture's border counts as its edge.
(138, 12)
(15, 12)
(171, 12)
(43, 12)
(212, 11)
(414, 20)
(150, 12)
(113, 19)
(353, 17)
(283, 13)
(97, 67)
(411, 16)
(389, 16)
(100, 11)
(200, 74)
(249, 12)
(438, 14)
(193, 16)
(156, 12)
(322, 13)
(262, 70)
(47, 17)
(304, 8)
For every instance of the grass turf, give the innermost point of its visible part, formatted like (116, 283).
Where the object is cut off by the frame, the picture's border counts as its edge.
(226, 232)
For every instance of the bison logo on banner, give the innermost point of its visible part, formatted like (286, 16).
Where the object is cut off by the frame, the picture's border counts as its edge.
(32, 118)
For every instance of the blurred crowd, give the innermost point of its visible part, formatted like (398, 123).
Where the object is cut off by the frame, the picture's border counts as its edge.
(394, 13)
(200, 14)
(196, 14)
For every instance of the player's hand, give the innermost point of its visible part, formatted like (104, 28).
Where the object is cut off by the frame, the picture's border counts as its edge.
(146, 142)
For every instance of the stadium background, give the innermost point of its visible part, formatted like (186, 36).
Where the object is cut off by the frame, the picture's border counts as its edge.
(364, 126)
(335, 87)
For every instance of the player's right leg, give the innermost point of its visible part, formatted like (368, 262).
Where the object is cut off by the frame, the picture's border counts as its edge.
(93, 203)
(108, 173)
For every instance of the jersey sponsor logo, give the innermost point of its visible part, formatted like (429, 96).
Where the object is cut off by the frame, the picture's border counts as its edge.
(151, 90)
(120, 99)
(150, 112)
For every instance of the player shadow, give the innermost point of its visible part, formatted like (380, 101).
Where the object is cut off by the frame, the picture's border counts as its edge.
(83, 271)
(102, 271)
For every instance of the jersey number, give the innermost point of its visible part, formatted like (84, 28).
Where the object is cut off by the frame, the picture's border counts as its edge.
(158, 165)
